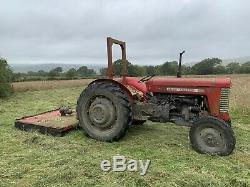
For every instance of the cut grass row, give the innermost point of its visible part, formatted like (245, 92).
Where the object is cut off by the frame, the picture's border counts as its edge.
(32, 159)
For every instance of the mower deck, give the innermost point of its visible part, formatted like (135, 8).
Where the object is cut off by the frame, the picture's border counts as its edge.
(50, 122)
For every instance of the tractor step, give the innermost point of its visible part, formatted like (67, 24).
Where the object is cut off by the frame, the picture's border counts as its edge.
(50, 122)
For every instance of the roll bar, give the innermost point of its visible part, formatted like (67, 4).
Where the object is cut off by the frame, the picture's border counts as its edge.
(110, 42)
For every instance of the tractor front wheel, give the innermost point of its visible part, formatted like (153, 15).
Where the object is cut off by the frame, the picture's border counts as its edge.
(212, 136)
(104, 111)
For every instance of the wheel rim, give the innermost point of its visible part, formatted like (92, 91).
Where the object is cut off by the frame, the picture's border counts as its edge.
(211, 139)
(102, 113)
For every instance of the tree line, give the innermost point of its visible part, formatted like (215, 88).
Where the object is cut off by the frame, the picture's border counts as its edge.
(205, 67)
(56, 73)
(6, 77)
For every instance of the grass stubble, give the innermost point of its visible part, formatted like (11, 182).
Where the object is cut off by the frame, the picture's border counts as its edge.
(32, 159)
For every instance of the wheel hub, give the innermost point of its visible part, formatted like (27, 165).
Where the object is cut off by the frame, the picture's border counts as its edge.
(102, 112)
(211, 137)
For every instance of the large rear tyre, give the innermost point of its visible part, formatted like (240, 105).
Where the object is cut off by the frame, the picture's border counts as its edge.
(104, 111)
(212, 136)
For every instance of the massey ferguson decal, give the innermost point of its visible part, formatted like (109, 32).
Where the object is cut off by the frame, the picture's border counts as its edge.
(177, 89)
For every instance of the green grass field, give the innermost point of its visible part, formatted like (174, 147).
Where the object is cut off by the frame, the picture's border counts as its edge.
(32, 159)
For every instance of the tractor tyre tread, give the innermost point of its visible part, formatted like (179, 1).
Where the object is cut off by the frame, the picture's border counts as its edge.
(123, 101)
(216, 123)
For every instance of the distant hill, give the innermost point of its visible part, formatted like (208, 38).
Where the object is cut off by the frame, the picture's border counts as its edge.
(24, 68)
(240, 60)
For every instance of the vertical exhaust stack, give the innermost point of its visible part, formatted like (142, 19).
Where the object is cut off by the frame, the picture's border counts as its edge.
(179, 65)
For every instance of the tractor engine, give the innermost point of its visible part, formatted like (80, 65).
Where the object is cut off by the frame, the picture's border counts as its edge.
(180, 109)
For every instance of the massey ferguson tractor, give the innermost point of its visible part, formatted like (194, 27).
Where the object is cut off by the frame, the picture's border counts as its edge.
(107, 107)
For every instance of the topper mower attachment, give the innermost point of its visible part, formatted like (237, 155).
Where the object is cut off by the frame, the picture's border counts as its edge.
(55, 122)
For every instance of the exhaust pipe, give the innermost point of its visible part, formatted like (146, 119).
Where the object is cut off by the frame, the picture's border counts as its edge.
(179, 65)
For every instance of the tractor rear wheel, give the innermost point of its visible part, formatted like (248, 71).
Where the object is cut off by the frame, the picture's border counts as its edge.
(104, 111)
(212, 136)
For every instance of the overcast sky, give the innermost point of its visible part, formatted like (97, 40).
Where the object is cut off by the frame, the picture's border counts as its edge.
(75, 31)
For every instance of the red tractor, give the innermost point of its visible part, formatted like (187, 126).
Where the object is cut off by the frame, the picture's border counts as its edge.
(107, 107)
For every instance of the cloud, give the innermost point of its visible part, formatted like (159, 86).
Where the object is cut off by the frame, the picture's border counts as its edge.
(155, 31)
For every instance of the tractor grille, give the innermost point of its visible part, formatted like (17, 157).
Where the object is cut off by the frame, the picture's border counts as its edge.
(224, 99)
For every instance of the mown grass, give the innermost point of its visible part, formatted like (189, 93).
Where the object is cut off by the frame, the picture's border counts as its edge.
(32, 159)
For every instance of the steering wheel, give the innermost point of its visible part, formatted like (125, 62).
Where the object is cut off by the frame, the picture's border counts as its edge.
(146, 78)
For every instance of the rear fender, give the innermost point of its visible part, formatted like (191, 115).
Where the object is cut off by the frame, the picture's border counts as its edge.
(124, 88)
